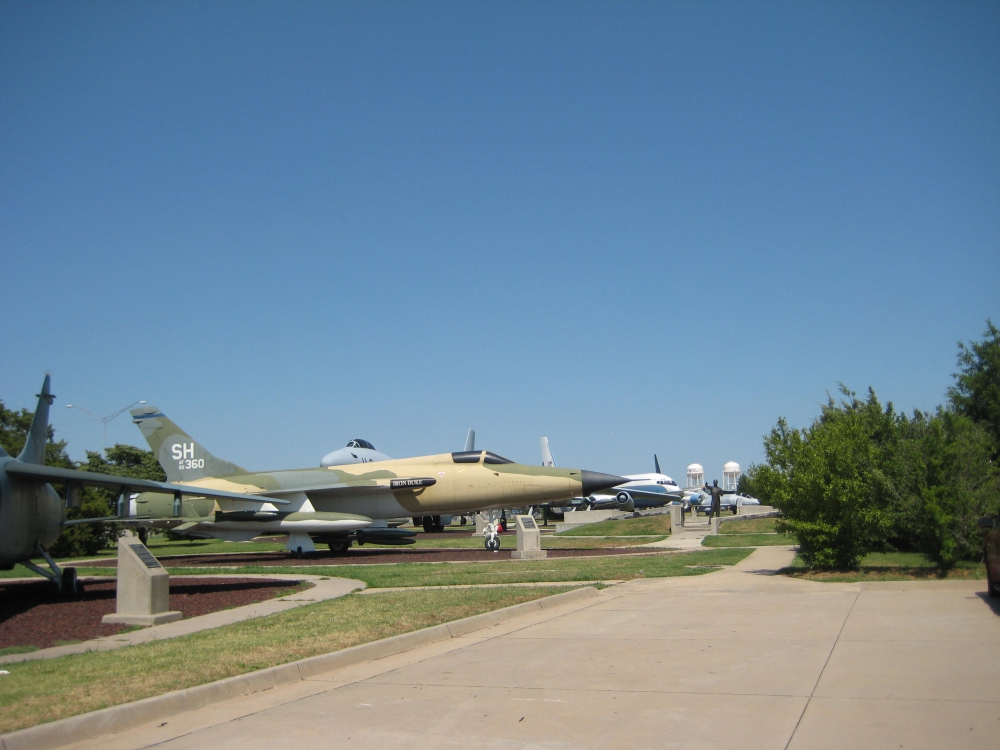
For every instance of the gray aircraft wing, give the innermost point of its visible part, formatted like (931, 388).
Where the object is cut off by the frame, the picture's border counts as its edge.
(55, 475)
(363, 487)
(638, 494)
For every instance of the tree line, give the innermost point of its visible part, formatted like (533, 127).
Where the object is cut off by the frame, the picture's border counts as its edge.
(865, 478)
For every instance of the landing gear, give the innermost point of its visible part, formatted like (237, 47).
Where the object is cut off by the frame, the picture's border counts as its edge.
(68, 585)
(492, 534)
(63, 578)
(991, 588)
(340, 547)
(143, 534)
(432, 524)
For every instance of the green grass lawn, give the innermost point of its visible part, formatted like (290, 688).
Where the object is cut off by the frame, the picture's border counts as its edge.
(643, 526)
(20, 571)
(41, 691)
(748, 540)
(889, 566)
(618, 568)
(596, 542)
(748, 526)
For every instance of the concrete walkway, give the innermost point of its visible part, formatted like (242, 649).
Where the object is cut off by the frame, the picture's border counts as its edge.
(739, 658)
(323, 589)
(688, 537)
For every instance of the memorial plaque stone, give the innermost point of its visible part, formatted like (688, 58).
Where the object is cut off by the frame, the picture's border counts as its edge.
(143, 596)
(529, 541)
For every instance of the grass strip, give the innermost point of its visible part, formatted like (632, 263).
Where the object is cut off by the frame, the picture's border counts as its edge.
(20, 571)
(748, 526)
(643, 526)
(889, 566)
(620, 568)
(41, 691)
(748, 540)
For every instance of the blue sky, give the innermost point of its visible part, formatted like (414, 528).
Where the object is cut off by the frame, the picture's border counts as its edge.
(631, 227)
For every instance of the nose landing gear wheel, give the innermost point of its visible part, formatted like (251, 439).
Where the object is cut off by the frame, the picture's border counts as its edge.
(493, 543)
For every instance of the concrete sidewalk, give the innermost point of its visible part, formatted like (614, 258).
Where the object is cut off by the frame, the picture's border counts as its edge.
(738, 658)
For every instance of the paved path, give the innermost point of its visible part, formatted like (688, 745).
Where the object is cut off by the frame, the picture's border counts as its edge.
(322, 589)
(739, 658)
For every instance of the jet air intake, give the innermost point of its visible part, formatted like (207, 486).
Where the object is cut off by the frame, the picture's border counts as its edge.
(595, 481)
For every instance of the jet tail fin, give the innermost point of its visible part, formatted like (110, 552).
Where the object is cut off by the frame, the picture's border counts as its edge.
(656, 462)
(181, 456)
(34, 446)
(470, 441)
(546, 453)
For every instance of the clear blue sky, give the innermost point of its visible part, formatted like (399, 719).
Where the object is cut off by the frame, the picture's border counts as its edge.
(631, 227)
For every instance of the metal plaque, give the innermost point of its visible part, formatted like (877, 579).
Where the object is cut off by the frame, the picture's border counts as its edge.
(145, 555)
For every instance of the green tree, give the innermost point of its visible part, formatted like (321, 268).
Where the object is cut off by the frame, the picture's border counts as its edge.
(948, 480)
(832, 481)
(14, 426)
(976, 393)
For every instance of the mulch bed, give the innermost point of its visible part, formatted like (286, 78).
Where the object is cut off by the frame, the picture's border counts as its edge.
(32, 613)
(367, 555)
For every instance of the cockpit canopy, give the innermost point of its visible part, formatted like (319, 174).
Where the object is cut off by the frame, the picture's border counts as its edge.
(358, 443)
(472, 457)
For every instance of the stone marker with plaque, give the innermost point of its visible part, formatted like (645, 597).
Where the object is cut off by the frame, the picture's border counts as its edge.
(143, 596)
(529, 540)
(676, 516)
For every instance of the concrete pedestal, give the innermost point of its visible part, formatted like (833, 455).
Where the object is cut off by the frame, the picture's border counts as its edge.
(676, 517)
(481, 521)
(715, 524)
(752, 510)
(143, 596)
(529, 540)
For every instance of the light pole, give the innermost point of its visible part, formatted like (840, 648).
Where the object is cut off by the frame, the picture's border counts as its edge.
(104, 420)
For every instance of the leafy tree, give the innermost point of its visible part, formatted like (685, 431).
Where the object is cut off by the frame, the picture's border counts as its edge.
(948, 481)
(14, 426)
(830, 480)
(976, 393)
(127, 461)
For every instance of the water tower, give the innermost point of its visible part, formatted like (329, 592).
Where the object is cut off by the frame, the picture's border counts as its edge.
(696, 476)
(730, 476)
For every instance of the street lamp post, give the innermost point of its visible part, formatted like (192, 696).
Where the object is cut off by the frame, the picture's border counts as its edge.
(104, 420)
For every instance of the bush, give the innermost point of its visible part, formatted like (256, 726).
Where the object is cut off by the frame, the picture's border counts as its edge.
(828, 481)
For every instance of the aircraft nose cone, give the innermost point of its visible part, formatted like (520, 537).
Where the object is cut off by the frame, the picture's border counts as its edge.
(595, 481)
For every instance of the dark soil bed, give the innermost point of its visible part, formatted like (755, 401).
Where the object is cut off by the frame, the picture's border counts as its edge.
(32, 613)
(362, 555)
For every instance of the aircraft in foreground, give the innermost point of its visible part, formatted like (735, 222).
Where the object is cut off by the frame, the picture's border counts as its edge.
(448, 483)
(360, 451)
(32, 515)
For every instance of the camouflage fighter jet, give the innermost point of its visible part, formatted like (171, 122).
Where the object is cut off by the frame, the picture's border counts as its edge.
(448, 483)
(32, 515)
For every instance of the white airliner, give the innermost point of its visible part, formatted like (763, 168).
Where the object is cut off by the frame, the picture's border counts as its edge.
(651, 490)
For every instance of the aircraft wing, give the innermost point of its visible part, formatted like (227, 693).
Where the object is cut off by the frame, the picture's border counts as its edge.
(55, 475)
(361, 487)
(646, 495)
